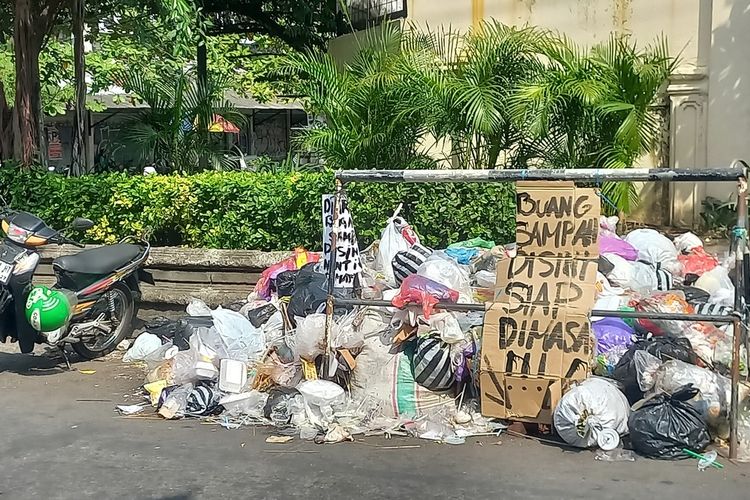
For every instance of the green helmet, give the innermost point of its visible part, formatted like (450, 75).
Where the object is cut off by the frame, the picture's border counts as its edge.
(48, 310)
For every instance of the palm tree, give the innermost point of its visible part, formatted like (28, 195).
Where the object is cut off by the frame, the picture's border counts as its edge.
(173, 131)
(593, 109)
(362, 105)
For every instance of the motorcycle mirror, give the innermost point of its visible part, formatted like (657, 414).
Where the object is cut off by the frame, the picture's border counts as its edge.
(81, 224)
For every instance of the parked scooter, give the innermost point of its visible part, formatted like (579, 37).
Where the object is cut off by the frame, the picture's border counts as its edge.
(93, 302)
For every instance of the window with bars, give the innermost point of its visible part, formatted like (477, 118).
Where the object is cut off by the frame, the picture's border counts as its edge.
(365, 13)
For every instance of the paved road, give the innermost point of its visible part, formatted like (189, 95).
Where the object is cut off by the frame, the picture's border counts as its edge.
(61, 438)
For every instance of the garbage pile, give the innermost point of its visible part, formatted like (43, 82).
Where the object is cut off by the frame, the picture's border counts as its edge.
(413, 369)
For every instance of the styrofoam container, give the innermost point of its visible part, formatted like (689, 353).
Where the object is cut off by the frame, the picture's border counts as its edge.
(204, 370)
(232, 375)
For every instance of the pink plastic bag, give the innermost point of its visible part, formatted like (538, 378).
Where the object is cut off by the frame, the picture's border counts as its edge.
(416, 289)
(609, 243)
(698, 261)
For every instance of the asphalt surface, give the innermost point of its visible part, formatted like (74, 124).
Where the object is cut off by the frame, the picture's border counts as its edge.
(61, 438)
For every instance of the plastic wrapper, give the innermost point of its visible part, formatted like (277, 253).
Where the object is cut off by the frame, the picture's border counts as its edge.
(246, 404)
(144, 344)
(655, 248)
(418, 289)
(176, 401)
(444, 270)
(588, 408)
(664, 302)
(697, 261)
(614, 245)
(463, 256)
(260, 315)
(665, 424)
(610, 333)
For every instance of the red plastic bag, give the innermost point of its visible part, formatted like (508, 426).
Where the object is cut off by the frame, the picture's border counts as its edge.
(296, 261)
(416, 289)
(698, 261)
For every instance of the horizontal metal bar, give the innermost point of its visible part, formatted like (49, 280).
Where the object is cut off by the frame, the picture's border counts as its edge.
(448, 306)
(544, 174)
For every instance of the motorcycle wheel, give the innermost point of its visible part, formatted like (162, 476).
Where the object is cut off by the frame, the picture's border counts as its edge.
(102, 345)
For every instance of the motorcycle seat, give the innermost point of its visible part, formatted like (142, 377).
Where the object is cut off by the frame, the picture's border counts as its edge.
(100, 261)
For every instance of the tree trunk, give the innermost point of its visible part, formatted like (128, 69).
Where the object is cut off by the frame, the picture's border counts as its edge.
(27, 45)
(6, 126)
(80, 132)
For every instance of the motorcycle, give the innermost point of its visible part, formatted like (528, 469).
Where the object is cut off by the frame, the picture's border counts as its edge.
(103, 285)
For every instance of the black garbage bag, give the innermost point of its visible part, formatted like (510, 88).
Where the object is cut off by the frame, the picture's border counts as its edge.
(277, 405)
(663, 347)
(164, 328)
(695, 295)
(285, 283)
(190, 326)
(310, 292)
(665, 424)
(259, 316)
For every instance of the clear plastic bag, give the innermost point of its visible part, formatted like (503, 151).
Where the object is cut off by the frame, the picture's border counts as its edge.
(310, 338)
(442, 269)
(241, 340)
(197, 307)
(646, 365)
(718, 284)
(344, 334)
(176, 402)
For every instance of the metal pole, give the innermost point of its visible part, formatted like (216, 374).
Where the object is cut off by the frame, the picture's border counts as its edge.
(449, 306)
(739, 236)
(330, 301)
(594, 175)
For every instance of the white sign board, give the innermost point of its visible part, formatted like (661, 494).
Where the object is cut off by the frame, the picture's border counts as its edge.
(348, 264)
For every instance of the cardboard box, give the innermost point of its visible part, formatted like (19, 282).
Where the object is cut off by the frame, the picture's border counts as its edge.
(537, 336)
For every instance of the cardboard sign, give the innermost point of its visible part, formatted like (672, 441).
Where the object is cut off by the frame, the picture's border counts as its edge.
(537, 335)
(348, 264)
(556, 219)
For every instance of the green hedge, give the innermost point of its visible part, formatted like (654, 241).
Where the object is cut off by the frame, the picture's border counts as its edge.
(263, 211)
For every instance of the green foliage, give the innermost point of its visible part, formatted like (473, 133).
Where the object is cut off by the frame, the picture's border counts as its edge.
(719, 215)
(251, 210)
(501, 96)
(174, 129)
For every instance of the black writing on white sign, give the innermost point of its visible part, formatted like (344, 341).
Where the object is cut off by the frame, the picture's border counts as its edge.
(348, 264)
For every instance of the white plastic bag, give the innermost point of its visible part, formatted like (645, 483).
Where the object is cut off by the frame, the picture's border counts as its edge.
(718, 284)
(655, 248)
(444, 270)
(392, 241)
(310, 339)
(197, 307)
(609, 224)
(145, 344)
(686, 242)
(447, 326)
(589, 408)
(241, 340)
(622, 270)
(345, 334)
(485, 279)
